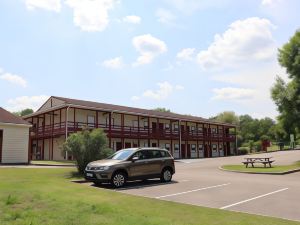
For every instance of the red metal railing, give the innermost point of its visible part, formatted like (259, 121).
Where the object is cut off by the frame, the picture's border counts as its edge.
(117, 131)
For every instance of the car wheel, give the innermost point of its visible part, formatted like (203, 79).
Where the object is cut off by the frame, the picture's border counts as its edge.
(97, 183)
(166, 175)
(118, 179)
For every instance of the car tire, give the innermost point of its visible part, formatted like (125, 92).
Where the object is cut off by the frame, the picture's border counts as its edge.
(118, 179)
(166, 175)
(97, 183)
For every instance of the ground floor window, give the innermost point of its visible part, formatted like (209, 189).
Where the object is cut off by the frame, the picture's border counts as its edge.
(167, 146)
(176, 147)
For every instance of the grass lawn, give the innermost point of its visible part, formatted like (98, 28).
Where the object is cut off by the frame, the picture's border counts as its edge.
(259, 169)
(46, 196)
(53, 162)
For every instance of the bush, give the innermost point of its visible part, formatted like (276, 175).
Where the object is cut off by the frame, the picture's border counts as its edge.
(87, 146)
(257, 146)
(243, 151)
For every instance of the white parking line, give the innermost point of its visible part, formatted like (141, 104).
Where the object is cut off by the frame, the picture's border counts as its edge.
(250, 199)
(186, 192)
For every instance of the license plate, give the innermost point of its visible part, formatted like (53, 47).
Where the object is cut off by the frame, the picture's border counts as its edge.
(89, 174)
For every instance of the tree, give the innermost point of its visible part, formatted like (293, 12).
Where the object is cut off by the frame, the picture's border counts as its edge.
(86, 146)
(162, 109)
(23, 112)
(227, 117)
(287, 95)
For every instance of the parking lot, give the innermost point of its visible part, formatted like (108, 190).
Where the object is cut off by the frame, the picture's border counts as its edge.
(200, 182)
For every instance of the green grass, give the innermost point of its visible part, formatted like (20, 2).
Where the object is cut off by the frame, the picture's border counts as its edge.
(261, 169)
(53, 162)
(46, 196)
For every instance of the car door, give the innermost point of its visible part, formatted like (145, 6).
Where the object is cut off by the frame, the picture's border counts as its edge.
(139, 167)
(155, 162)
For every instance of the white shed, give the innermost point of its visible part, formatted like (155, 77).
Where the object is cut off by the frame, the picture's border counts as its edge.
(14, 138)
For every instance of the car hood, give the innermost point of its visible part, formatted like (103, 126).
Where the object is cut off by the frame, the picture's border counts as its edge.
(105, 162)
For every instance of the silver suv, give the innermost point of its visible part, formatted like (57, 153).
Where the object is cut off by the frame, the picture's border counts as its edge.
(132, 164)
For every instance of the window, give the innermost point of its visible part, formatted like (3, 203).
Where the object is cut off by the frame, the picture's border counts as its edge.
(214, 147)
(146, 144)
(167, 146)
(146, 124)
(163, 154)
(193, 148)
(135, 123)
(176, 147)
(167, 126)
(176, 127)
(200, 147)
(154, 154)
(220, 147)
(213, 130)
(91, 121)
(200, 129)
(141, 155)
(192, 128)
(112, 121)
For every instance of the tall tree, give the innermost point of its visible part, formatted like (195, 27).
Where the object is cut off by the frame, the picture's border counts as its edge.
(287, 95)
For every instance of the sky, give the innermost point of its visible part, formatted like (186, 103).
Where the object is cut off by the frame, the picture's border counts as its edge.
(198, 57)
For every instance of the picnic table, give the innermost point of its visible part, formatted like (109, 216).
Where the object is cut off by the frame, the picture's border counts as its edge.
(263, 160)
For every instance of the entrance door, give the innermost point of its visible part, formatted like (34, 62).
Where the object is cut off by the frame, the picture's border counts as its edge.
(161, 128)
(183, 151)
(1, 141)
(206, 151)
(119, 146)
(127, 145)
(188, 151)
(154, 145)
(154, 126)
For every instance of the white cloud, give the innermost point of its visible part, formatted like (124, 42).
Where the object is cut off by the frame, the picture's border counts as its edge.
(149, 47)
(165, 89)
(165, 16)
(132, 19)
(14, 79)
(91, 15)
(191, 6)
(269, 2)
(186, 54)
(245, 41)
(115, 63)
(23, 102)
(50, 5)
(230, 93)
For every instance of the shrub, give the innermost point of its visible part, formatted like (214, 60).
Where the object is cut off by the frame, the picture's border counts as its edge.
(86, 146)
(243, 150)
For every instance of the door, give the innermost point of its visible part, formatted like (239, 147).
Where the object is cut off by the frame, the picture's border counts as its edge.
(119, 146)
(1, 142)
(183, 151)
(188, 151)
(153, 145)
(127, 145)
(155, 162)
(139, 167)
(160, 128)
(154, 126)
(206, 151)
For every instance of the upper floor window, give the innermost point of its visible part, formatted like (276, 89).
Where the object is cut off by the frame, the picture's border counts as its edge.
(167, 126)
(213, 130)
(200, 129)
(91, 121)
(135, 123)
(112, 121)
(146, 125)
(176, 127)
(192, 128)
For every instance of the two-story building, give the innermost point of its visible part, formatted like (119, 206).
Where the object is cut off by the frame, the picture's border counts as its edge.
(183, 135)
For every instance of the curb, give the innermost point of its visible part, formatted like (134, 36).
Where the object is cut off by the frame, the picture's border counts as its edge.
(37, 164)
(268, 173)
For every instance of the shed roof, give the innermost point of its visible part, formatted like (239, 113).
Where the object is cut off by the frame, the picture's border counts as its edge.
(7, 117)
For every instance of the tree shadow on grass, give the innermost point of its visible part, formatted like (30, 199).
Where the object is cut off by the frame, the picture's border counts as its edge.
(75, 175)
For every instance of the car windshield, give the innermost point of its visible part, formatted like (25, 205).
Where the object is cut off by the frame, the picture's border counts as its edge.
(122, 154)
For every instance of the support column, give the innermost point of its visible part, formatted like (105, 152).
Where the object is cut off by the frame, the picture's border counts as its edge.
(179, 133)
(157, 131)
(97, 119)
(149, 132)
(109, 131)
(139, 131)
(122, 130)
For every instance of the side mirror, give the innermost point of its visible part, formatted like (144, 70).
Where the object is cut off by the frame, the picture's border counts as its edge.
(135, 159)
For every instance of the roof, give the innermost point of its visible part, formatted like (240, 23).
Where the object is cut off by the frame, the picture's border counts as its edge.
(129, 110)
(7, 117)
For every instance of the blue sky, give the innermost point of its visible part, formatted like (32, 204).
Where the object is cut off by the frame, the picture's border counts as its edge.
(191, 56)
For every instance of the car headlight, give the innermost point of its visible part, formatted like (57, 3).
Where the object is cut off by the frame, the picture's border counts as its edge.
(102, 168)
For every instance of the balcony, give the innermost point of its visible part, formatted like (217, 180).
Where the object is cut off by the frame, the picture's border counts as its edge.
(118, 131)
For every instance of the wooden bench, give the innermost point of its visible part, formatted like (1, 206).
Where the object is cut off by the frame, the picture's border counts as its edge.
(262, 160)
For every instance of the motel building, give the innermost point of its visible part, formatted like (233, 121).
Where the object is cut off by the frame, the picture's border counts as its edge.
(184, 136)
